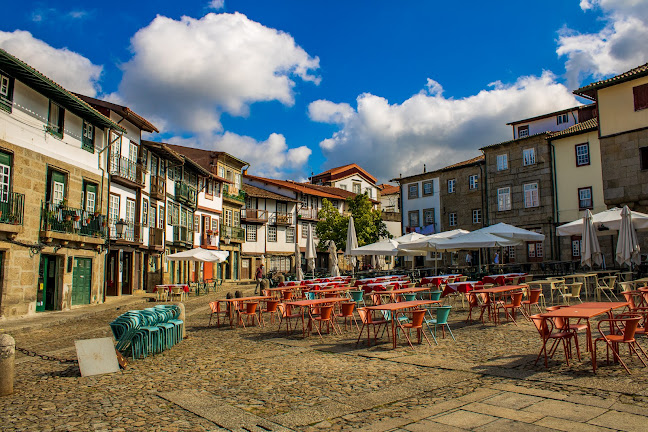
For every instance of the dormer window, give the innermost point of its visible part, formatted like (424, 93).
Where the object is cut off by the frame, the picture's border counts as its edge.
(87, 140)
(56, 120)
(562, 118)
(523, 131)
(6, 92)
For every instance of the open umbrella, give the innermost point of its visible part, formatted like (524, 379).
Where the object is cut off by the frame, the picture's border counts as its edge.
(627, 251)
(351, 243)
(333, 261)
(299, 274)
(591, 251)
(311, 253)
(512, 232)
(199, 255)
(605, 221)
(385, 247)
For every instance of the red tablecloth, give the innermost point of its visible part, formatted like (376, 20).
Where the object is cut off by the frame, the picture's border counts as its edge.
(438, 280)
(169, 288)
(462, 287)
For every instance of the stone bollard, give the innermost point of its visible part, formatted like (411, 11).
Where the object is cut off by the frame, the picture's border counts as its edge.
(7, 364)
(183, 318)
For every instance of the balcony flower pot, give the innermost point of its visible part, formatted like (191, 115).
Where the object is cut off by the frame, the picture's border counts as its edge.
(77, 218)
(68, 218)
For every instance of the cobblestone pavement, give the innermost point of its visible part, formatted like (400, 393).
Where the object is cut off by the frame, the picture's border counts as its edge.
(261, 379)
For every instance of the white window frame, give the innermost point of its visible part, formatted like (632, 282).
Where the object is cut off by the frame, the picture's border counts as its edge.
(290, 234)
(476, 216)
(473, 181)
(452, 219)
(502, 162)
(576, 248)
(431, 187)
(251, 233)
(582, 158)
(504, 199)
(531, 195)
(528, 156)
(357, 188)
(272, 234)
(5, 182)
(451, 185)
(4, 86)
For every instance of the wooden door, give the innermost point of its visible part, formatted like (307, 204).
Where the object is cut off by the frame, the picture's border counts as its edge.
(246, 265)
(81, 281)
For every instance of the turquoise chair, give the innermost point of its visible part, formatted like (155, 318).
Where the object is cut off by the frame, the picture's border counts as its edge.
(442, 313)
(409, 296)
(310, 295)
(357, 296)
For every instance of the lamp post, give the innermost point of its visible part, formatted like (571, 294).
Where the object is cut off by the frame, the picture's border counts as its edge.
(119, 227)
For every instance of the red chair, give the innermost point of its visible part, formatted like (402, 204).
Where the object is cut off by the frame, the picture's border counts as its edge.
(250, 311)
(485, 305)
(286, 315)
(376, 299)
(415, 323)
(346, 312)
(624, 332)
(368, 321)
(562, 324)
(545, 328)
(516, 304)
(325, 315)
(287, 295)
(216, 310)
(534, 300)
(473, 303)
(271, 308)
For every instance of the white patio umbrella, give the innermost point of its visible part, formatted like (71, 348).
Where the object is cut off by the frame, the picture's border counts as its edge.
(512, 232)
(591, 251)
(409, 237)
(199, 255)
(311, 253)
(627, 251)
(299, 274)
(477, 240)
(351, 243)
(381, 262)
(604, 222)
(333, 261)
(385, 247)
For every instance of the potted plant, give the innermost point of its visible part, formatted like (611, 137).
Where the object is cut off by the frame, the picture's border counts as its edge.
(77, 218)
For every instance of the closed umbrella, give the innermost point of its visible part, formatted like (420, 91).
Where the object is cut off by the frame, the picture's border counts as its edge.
(591, 251)
(299, 274)
(311, 253)
(333, 261)
(351, 243)
(627, 251)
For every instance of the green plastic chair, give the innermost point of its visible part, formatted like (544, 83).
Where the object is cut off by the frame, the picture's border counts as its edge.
(409, 296)
(357, 296)
(442, 313)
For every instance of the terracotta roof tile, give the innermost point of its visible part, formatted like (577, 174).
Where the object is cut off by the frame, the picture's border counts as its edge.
(386, 189)
(344, 168)
(514, 140)
(590, 89)
(254, 191)
(586, 126)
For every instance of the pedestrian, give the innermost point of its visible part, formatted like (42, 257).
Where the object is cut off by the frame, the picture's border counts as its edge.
(496, 260)
(259, 278)
(469, 259)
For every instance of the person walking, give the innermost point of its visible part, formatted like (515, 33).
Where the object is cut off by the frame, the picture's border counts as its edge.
(469, 259)
(259, 278)
(497, 259)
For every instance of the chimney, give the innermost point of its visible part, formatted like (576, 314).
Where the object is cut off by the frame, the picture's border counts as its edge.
(245, 171)
(424, 168)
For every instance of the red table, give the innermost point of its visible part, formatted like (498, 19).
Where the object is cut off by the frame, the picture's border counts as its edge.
(462, 287)
(309, 304)
(231, 304)
(394, 308)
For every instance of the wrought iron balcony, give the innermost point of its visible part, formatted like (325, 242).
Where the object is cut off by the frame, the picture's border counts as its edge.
(186, 194)
(132, 232)
(232, 233)
(126, 169)
(158, 187)
(12, 209)
(183, 235)
(156, 237)
(63, 219)
(239, 196)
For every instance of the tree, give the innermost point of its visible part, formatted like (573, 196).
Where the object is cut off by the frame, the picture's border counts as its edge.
(368, 222)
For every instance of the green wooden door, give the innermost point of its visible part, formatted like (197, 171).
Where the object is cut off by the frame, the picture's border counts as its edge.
(81, 281)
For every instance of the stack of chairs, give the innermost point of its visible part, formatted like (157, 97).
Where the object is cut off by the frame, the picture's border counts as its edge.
(141, 333)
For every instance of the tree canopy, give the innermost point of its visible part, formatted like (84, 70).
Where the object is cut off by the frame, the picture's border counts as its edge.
(368, 222)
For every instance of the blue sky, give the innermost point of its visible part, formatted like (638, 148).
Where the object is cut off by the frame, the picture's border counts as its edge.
(296, 87)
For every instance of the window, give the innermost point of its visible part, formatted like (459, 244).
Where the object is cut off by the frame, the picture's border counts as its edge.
(502, 162)
(640, 94)
(221, 172)
(6, 92)
(5, 176)
(56, 187)
(290, 234)
(237, 180)
(214, 226)
(152, 216)
(523, 131)
(228, 217)
(357, 188)
(343, 187)
(528, 157)
(451, 185)
(504, 199)
(535, 251)
(643, 154)
(531, 195)
(197, 223)
(209, 191)
(251, 233)
(304, 230)
(476, 216)
(585, 198)
(413, 218)
(582, 154)
(428, 217)
(161, 217)
(473, 181)
(428, 188)
(56, 120)
(113, 213)
(576, 244)
(452, 219)
(272, 233)
(87, 140)
(412, 191)
(511, 253)
(369, 192)
(145, 209)
(236, 220)
(562, 118)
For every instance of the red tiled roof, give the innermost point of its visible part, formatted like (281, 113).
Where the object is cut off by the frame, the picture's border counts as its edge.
(386, 189)
(123, 111)
(254, 191)
(586, 126)
(345, 171)
(589, 90)
(295, 187)
(474, 160)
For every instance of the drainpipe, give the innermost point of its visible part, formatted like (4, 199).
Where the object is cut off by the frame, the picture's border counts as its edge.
(554, 202)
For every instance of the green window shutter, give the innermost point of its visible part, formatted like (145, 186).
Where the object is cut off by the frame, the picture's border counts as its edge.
(87, 137)
(5, 158)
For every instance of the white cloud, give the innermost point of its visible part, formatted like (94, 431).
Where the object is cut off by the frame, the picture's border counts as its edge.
(390, 139)
(191, 71)
(216, 4)
(269, 158)
(619, 46)
(71, 70)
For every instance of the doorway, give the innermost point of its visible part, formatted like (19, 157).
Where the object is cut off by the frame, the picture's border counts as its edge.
(47, 283)
(246, 264)
(127, 273)
(81, 281)
(113, 274)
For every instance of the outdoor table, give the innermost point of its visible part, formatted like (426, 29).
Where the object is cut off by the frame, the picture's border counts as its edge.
(584, 278)
(462, 287)
(309, 304)
(333, 290)
(396, 292)
(586, 311)
(493, 291)
(394, 308)
(380, 286)
(232, 301)
(552, 285)
(438, 280)
(281, 289)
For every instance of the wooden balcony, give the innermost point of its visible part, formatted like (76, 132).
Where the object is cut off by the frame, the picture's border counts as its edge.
(156, 239)
(308, 213)
(158, 188)
(254, 216)
(126, 172)
(283, 218)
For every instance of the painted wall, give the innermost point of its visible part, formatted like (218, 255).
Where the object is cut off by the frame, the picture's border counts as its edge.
(570, 177)
(364, 184)
(422, 202)
(548, 124)
(616, 108)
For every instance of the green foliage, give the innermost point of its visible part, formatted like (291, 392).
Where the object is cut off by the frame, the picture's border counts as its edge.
(368, 222)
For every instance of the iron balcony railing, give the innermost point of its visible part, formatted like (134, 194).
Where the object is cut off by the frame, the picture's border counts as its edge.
(185, 193)
(132, 232)
(158, 187)
(126, 168)
(232, 233)
(254, 214)
(156, 237)
(60, 218)
(12, 208)
(183, 235)
(239, 196)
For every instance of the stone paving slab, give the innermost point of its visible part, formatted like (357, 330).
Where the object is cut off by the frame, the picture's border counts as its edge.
(515, 401)
(621, 421)
(569, 426)
(507, 425)
(565, 410)
(464, 419)
(306, 416)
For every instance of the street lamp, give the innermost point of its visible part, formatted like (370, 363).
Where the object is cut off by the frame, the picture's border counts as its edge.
(119, 227)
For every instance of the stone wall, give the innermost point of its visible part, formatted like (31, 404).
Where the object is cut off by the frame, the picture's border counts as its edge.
(464, 200)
